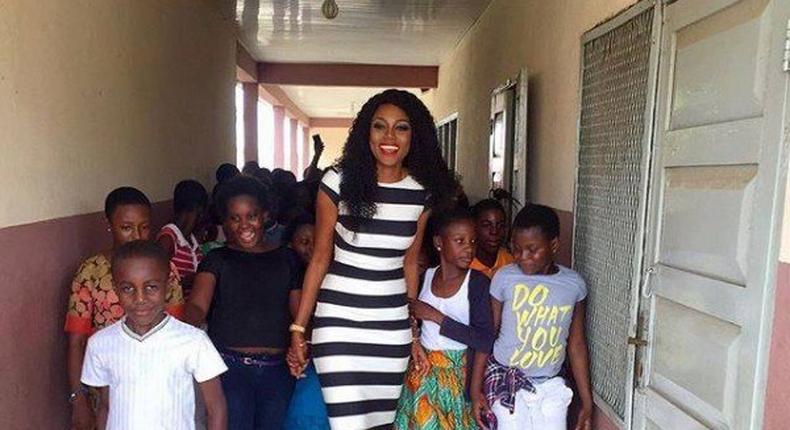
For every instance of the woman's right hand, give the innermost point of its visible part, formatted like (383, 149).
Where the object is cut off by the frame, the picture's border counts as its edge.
(297, 354)
(82, 417)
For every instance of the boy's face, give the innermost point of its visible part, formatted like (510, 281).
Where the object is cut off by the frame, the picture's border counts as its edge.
(130, 222)
(457, 243)
(491, 230)
(141, 285)
(302, 242)
(533, 251)
(245, 222)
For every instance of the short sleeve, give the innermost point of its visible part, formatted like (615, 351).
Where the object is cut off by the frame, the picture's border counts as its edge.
(94, 373)
(330, 185)
(582, 289)
(212, 263)
(498, 286)
(205, 363)
(92, 276)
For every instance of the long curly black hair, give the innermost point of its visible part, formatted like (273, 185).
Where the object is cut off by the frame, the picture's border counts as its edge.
(424, 162)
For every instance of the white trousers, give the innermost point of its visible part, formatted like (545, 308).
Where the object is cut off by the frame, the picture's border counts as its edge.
(545, 409)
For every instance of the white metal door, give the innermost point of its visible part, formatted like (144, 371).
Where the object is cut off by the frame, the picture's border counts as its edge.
(712, 215)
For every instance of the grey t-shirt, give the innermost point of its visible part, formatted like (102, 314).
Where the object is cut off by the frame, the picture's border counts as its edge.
(536, 317)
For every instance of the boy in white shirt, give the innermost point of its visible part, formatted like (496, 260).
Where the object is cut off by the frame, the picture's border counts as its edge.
(145, 363)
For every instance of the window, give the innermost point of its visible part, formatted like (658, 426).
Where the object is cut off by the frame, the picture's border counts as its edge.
(447, 130)
(239, 125)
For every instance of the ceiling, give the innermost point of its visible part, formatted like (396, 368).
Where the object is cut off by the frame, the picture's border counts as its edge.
(331, 102)
(404, 32)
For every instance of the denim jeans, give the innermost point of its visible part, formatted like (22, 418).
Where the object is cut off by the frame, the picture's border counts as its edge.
(257, 395)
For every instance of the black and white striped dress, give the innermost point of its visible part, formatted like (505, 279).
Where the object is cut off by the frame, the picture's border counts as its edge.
(361, 336)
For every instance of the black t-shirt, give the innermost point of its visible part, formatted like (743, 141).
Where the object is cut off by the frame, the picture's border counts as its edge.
(250, 303)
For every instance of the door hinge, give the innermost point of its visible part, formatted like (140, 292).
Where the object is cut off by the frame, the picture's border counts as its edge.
(786, 61)
(637, 342)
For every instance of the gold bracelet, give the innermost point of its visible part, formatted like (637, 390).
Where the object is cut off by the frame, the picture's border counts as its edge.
(296, 328)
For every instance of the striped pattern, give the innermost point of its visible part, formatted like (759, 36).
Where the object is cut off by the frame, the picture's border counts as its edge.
(186, 255)
(361, 334)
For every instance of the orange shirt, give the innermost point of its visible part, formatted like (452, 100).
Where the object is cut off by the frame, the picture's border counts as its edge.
(503, 258)
(93, 303)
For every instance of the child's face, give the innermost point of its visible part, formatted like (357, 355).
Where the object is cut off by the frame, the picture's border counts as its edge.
(245, 222)
(130, 222)
(302, 241)
(533, 251)
(457, 244)
(491, 230)
(141, 285)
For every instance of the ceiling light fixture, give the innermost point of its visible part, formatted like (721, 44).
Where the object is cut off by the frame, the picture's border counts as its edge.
(330, 9)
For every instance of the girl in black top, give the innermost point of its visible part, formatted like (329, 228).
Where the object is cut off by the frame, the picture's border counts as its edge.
(252, 289)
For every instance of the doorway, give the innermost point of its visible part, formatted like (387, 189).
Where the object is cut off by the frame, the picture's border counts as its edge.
(678, 304)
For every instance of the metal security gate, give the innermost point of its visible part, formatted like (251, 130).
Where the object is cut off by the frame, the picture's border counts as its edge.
(619, 66)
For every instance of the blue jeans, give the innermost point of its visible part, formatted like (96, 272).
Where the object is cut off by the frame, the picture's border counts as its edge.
(258, 393)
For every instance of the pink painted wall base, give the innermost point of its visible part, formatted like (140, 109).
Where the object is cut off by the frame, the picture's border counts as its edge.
(37, 264)
(777, 414)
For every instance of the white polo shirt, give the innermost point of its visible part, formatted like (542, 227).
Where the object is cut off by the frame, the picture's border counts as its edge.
(151, 376)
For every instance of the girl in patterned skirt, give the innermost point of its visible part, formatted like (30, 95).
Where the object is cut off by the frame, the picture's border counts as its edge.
(455, 310)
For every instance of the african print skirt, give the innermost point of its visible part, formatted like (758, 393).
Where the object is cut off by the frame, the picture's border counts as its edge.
(436, 401)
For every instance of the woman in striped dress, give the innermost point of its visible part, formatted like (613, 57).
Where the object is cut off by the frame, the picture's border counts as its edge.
(372, 209)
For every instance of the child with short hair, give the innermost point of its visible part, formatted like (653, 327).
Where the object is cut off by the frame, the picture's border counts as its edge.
(177, 238)
(491, 226)
(538, 307)
(456, 337)
(93, 303)
(145, 364)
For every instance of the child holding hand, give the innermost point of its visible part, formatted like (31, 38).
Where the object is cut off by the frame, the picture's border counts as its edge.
(456, 334)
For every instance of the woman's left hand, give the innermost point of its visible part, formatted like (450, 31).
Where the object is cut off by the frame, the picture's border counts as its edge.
(424, 311)
(584, 422)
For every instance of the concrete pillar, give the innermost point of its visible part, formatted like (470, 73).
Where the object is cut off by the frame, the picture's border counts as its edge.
(279, 138)
(307, 144)
(294, 147)
(250, 121)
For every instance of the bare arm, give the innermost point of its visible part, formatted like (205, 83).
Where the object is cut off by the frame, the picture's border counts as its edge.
(579, 358)
(323, 249)
(479, 404)
(294, 297)
(411, 269)
(216, 408)
(496, 311)
(82, 414)
(200, 298)
(104, 408)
